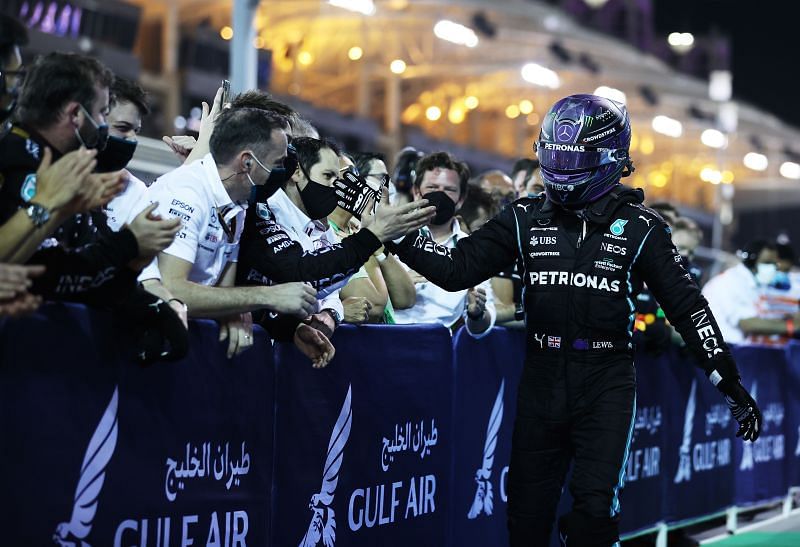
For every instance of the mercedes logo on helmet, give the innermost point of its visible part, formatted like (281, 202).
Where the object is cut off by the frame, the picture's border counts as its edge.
(565, 132)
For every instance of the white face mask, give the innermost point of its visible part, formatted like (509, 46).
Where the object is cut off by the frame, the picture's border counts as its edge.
(765, 273)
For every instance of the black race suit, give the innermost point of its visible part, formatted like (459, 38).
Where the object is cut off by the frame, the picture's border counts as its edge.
(268, 255)
(577, 396)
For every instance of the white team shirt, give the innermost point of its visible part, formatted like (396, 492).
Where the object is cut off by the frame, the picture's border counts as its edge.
(195, 194)
(733, 295)
(127, 205)
(436, 305)
(312, 235)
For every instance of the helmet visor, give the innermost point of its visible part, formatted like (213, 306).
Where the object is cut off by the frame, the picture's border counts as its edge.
(568, 157)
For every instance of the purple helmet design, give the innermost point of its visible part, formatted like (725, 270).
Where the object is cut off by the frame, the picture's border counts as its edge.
(583, 149)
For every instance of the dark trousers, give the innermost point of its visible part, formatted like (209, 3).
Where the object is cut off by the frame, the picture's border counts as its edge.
(578, 410)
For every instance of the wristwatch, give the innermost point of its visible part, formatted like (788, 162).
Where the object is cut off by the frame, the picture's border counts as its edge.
(39, 214)
(337, 319)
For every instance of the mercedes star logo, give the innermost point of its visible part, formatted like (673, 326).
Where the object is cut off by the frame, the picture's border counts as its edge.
(564, 133)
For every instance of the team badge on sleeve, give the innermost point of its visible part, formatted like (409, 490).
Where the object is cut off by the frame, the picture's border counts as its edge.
(28, 190)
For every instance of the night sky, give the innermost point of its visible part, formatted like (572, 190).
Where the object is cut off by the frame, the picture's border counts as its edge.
(765, 40)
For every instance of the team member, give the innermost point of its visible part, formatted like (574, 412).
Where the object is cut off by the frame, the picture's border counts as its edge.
(210, 196)
(128, 107)
(739, 297)
(288, 239)
(442, 180)
(13, 35)
(585, 248)
(62, 109)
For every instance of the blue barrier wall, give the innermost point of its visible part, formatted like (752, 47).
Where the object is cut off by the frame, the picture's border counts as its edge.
(404, 439)
(365, 444)
(95, 448)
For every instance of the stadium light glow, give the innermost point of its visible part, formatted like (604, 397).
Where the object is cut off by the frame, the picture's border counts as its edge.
(433, 113)
(457, 113)
(667, 126)
(355, 53)
(512, 111)
(611, 93)
(471, 102)
(305, 58)
(790, 170)
(525, 106)
(681, 42)
(398, 66)
(711, 175)
(540, 75)
(647, 145)
(456, 33)
(713, 138)
(364, 7)
(756, 161)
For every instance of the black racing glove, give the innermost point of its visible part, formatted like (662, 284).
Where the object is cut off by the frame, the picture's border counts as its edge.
(158, 331)
(744, 410)
(354, 194)
(723, 373)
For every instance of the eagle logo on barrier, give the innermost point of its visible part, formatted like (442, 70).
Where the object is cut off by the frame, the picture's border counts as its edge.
(323, 519)
(685, 465)
(93, 473)
(484, 498)
(747, 455)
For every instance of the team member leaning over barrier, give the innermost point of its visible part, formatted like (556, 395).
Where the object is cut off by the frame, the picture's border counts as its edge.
(61, 113)
(288, 238)
(210, 196)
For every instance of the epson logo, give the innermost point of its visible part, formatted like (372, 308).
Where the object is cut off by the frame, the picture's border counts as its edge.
(574, 279)
(564, 147)
(611, 248)
(182, 205)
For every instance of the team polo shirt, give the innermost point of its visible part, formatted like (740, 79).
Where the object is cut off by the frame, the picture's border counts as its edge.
(212, 222)
(128, 204)
(437, 305)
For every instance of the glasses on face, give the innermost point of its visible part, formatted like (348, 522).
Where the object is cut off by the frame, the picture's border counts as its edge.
(385, 178)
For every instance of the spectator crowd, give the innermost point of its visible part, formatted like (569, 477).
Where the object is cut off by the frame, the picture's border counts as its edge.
(268, 222)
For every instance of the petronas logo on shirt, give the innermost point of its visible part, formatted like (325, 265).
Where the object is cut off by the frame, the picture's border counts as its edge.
(618, 227)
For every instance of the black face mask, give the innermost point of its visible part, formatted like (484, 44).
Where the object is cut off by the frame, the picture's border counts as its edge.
(116, 155)
(445, 207)
(277, 177)
(319, 200)
(100, 133)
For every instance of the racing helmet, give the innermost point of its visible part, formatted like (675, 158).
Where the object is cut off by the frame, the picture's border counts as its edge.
(583, 149)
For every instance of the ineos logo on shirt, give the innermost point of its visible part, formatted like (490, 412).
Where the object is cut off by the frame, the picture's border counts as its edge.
(429, 246)
(611, 248)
